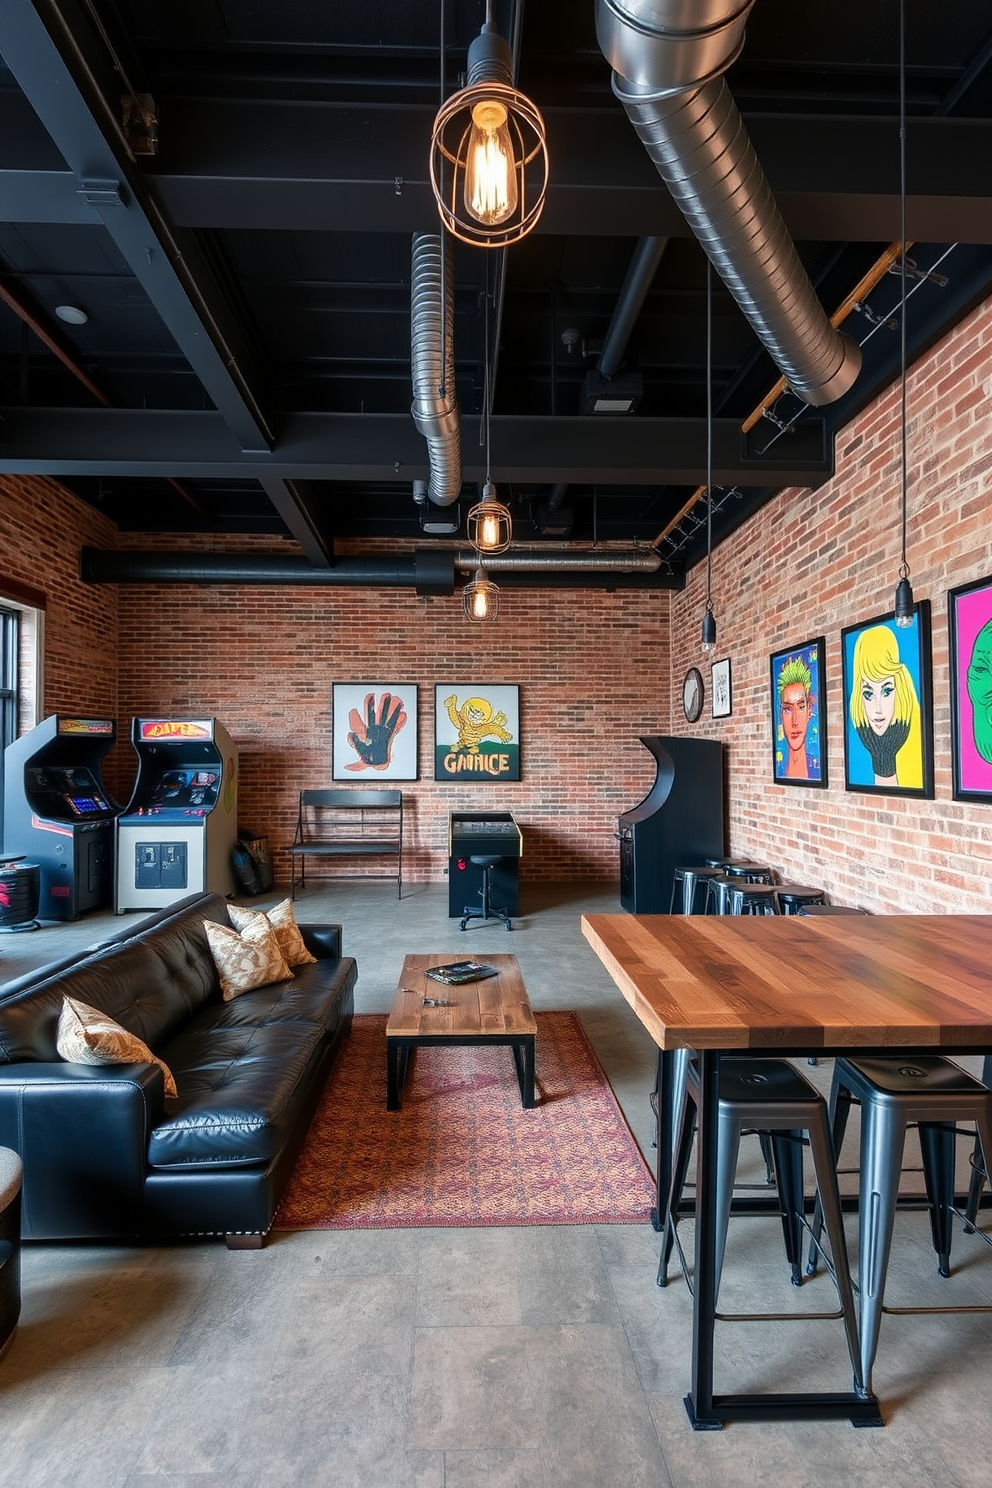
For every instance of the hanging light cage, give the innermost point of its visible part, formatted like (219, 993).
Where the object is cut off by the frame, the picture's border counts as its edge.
(480, 597)
(489, 153)
(489, 525)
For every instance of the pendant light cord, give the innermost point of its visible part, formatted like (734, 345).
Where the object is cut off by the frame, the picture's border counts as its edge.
(904, 566)
(709, 428)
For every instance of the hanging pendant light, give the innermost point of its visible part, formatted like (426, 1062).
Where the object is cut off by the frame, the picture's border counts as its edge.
(489, 153)
(905, 605)
(480, 597)
(708, 636)
(488, 525)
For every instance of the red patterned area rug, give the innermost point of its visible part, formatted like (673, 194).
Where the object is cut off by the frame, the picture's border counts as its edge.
(463, 1151)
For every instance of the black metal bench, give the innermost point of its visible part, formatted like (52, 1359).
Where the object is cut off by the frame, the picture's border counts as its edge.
(348, 824)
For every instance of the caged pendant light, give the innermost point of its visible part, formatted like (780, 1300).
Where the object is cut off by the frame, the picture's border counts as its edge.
(905, 605)
(488, 524)
(489, 152)
(708, 636)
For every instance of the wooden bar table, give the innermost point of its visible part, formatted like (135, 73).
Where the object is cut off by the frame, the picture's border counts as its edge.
(787, 985)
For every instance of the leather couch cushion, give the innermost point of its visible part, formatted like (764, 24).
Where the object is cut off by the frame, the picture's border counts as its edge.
(241, 1071)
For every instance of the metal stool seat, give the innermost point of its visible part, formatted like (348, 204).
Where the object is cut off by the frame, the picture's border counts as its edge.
(791, 898)
(485, 911)
(927, 1089)
(717, 899)
(831, 909)
(771, 1096)
(752, 899)
(726, 863)
(755, 873)
(685, 886)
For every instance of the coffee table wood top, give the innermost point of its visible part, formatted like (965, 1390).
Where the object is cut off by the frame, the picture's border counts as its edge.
(791, 984)
(498, 1006)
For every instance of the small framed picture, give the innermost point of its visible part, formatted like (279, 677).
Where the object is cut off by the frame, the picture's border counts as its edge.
(374, 731)
(969, 628)
(888, 723)
(799, 714)
(720, 689)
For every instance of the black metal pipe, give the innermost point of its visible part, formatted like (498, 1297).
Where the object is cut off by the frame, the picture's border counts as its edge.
(640, 275)
(429, 571)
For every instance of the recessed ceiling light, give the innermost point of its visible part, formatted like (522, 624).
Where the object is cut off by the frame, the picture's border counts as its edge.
(71, 314)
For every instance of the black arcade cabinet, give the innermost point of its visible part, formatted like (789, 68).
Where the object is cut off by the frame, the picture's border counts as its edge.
(175, 836)
(678, 824)
(57, 813)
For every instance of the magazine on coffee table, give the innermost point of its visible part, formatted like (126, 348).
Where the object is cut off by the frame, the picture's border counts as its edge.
(454, 973)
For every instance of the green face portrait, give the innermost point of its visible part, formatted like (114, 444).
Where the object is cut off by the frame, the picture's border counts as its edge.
(980, 690)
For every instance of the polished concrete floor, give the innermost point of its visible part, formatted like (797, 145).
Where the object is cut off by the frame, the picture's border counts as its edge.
(514, 1358)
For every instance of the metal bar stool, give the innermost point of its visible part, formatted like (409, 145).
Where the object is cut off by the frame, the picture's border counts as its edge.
(717, 899)
(755, 873)
(771, 1096)
(686, 883)
(935, 1093)
(485, 911)
(831, 909)
(979, 1167)
(791, 898)
(751, 899)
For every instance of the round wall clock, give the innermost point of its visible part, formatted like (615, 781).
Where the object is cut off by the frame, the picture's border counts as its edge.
(692, 694)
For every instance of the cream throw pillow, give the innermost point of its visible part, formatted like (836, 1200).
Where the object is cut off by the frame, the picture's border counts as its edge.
(87, 1036)
(246, 961)
(283, 922)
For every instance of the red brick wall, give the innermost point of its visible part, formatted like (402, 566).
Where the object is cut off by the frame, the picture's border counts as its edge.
(42, 529)
(263, 660)
(813, 562)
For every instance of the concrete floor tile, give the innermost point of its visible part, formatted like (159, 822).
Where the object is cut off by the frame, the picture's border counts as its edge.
(467, 1278)
(561, 1277)
(474, 1388)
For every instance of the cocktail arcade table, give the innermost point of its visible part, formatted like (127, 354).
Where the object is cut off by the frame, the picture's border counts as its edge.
(786, 985)
(495, 1010)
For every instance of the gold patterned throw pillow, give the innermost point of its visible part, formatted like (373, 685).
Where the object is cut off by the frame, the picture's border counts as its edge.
(246, 961)
(87, 1036)
(283, 922)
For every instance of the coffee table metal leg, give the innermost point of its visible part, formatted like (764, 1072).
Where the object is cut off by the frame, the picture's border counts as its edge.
(523, 1058)
(397, 1055)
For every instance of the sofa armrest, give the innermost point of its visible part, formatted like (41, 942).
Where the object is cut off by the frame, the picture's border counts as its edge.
(322, 941)
(82, 1133)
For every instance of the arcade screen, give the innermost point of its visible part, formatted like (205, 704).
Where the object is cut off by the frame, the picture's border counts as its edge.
(73, 787)
(178, 790)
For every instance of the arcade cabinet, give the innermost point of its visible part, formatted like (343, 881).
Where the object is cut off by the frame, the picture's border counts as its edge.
(57, 813)
(679, 822)
(176, 834)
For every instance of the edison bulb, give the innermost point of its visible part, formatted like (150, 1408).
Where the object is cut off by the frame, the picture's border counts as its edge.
(489, 532)
(490, 173)
(480, 604)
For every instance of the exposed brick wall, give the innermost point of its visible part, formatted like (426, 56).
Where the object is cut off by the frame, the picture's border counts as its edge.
(42, 528)
(263, 660)
(814, 562)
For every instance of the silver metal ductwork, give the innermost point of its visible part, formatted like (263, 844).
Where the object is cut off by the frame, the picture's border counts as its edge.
(432, 357)
(540, 560)
(668, 59)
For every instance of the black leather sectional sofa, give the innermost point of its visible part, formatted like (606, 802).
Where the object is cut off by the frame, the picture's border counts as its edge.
(105, 1156)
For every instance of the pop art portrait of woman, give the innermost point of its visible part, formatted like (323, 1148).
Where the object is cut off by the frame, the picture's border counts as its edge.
(969, 625)
(888, 728)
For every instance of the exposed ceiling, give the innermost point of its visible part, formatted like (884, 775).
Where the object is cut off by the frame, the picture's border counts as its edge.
(245, 363)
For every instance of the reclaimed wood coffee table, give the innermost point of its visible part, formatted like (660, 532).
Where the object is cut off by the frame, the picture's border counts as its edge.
(495, 1010)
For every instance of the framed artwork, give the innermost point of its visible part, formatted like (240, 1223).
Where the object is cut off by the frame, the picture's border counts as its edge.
(888, 715)
(720, 693)
(969, 630)
(374, 731)
(798, 710)
(476, 732)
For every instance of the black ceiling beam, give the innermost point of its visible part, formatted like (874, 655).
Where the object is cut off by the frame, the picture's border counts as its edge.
(376, 447)
(65, 95)
(295, 504)
(234, 163)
